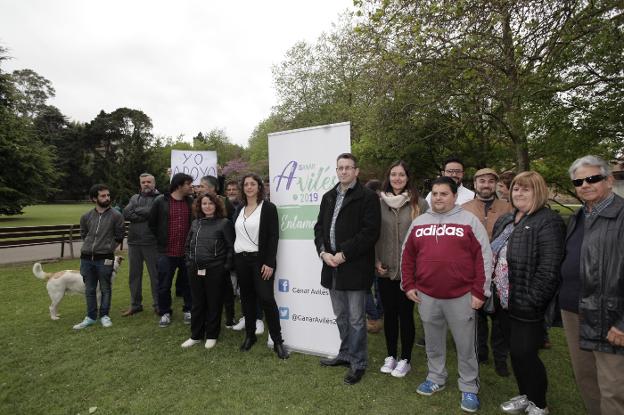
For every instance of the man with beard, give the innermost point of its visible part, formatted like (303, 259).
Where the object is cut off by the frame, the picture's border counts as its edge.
(141, 245)
(487, 208)
(454, 168)
(102, 231)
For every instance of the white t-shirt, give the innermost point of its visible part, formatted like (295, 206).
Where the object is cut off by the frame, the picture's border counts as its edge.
(247, 231)
(463, 195)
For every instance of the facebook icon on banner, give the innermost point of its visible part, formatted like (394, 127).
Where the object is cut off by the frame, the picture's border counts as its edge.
(284, 313)
(283, 285)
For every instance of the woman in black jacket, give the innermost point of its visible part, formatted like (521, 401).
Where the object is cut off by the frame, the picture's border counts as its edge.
(257, 235)
(209, 255)
(527, 247)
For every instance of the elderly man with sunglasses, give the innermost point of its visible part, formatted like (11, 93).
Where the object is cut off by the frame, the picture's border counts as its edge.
(592, 291)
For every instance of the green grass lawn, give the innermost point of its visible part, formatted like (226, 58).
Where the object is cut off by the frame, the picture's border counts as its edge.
(135, 367)
(52, 214)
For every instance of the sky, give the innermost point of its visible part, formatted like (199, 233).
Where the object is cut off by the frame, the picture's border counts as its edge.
(191, 66)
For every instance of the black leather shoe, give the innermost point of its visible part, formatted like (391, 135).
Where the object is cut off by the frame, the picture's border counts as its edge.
(334, 362)
(354, 376)
(249, 341)
(281, 352)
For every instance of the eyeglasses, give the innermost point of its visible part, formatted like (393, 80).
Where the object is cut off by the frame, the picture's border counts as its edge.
(589, 179)
(345, 168)
(453, 171)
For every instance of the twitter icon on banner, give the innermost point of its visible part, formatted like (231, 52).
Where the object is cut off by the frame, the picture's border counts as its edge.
(284, 313)
(283, 285)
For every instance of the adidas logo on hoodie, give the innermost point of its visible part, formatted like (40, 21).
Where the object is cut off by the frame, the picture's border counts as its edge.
(439, 230)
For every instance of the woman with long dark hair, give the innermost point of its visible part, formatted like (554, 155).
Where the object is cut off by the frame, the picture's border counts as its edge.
(400, 205)
(527, 247)
(257, 236)
(209, 256)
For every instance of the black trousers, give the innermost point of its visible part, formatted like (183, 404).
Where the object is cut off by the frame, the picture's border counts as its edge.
(398, 315)
(497, 340)
(253, 289)
(207, 292)
(228, 297)
(524, 340)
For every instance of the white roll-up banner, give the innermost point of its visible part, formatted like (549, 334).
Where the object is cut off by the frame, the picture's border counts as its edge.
(302, 167)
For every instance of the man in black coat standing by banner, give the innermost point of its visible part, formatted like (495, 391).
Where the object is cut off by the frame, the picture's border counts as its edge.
(345, 234)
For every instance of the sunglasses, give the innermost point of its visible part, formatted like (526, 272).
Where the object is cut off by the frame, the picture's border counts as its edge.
(589, 179)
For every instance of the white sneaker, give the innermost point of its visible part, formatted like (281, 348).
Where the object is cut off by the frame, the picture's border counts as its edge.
(259, 327)
(165, 320)
(240, 325)
(515, 405)
(210, 343)
(190, 342)
(402, 368)
(88, 321)
(534, 410)
(106, 321)
(389, 365)
(187, 317)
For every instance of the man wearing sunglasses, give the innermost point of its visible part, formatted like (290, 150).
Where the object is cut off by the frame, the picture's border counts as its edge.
(592, 291)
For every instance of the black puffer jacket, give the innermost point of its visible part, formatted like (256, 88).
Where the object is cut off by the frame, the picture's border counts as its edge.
(210, 243)
(602, 277)
(534, 254)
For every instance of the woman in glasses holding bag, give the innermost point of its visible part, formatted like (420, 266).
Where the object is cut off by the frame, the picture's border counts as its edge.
(528, 247)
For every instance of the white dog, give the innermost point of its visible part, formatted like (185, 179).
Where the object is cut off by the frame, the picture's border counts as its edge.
(68, 281)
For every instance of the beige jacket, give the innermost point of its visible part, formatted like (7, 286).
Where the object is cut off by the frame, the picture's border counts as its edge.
(394, 226)
(497, 209)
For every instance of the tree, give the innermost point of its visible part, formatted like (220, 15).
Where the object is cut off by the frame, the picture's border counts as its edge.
(217, 140)
(32, 91)
(496, 61)
(121, 141)
(26, 173)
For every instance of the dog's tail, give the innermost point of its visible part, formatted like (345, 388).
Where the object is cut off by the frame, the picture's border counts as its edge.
(38, 271)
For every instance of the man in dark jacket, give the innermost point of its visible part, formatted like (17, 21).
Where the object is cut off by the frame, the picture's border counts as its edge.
(345, 234)
(169, 221)
(101, 230)
(141, 245)
(592, 292)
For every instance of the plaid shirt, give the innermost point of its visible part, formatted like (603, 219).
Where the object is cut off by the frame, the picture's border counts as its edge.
(178, 227)
(340, 195)
(598, 207)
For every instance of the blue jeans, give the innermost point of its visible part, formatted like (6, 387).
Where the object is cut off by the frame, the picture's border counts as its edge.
(167, 266)
(350, 310)
(94, 272)
(374, 308)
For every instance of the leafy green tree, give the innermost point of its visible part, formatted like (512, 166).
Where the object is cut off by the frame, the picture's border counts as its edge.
(27, 171)
(121, 141)
(217, 140)
(31, 92)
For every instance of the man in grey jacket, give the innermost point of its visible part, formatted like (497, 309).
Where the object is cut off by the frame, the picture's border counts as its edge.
(102, 231)
(141, 245)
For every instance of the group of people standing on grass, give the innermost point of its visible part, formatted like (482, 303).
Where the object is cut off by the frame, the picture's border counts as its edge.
(203, 237)
(454, 255)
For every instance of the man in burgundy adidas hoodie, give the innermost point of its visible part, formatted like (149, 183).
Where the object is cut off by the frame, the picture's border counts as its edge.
(446, 269)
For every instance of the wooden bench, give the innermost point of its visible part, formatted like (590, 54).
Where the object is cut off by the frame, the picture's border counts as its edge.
(13, 237)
